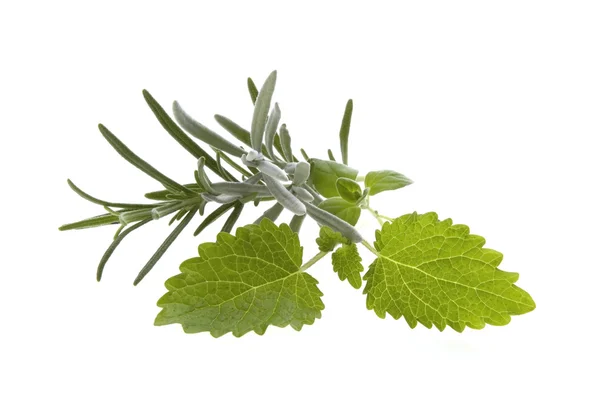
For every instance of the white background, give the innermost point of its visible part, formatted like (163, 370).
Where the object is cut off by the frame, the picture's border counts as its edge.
(492, 108)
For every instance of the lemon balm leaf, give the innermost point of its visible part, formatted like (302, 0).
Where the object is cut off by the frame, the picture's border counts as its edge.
(348, 264)
(243, 283)
(328, 239)
(341, 208)
(324, 175)
(385, 180)
(348, 189)
(436, 273)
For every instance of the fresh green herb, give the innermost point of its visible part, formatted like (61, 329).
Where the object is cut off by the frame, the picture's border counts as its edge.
(427, 270)
(385, 180)
(437, 273)
(341, 208)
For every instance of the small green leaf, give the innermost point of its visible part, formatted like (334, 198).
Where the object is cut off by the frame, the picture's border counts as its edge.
(141, 164)
(326, 219)
(385, 180)
(302, 194)
(339, 207)
(166, 209)
(317, 199)
(348, 264)
(345, 131)
(173, 129)
(304, 155)
(212, 217)
(241, 188)
(234, 129)
(330, 155)
(324, 175)
(222, 169)
(363, 197)
(163, 195)
(272, 213)
(436, 273)
(328, 239)
(271, 131)
(100, 202)
(286, 143)
(158, 195)
(283, 196)
(270, 169)
(252, 90)
(165, 246)
(202, 178)
(114, 245)
(221, 292)
(348, 189)
(238, 132)
(278, 147)
(98, 221)
(233, 217)
(233, 164)
(127, 217)
(203, 133)
(301, 173)
(261, 111)
(178, 215)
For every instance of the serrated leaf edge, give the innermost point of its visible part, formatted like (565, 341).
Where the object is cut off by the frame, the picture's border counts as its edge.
(466, 231)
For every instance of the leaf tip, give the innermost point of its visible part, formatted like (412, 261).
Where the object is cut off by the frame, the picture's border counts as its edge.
(160, 319)
(533, 305)
(176, 107)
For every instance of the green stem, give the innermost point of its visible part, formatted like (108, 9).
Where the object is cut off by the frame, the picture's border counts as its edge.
(371, 248)
(381, 218)
(313, 260)
(377, 216)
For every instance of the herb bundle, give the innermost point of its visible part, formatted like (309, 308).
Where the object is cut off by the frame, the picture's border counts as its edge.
(426, 270)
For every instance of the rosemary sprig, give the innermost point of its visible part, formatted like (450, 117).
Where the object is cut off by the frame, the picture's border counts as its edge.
(270, 171)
